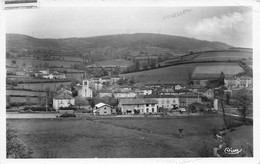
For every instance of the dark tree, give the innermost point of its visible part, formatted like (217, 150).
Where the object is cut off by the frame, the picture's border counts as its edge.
(243, 99)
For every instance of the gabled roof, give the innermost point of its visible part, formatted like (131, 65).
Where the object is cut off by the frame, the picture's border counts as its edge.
(160, 96)
(63, 95)
(101, 104)
(137, 101)
(189, 95)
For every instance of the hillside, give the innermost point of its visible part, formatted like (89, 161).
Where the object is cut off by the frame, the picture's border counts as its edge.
(113, 46)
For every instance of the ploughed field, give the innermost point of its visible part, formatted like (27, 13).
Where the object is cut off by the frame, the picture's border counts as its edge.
(119, 137)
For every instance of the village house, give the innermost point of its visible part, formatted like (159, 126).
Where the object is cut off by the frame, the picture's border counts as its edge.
(103, 93)
(47, 76)
(239, 82)
(44, 71)
(63, 98)
(146, 90)
(106, 80)
(165, 101)
(114, 79)
(138, 106)
(59, 76)
(177, 87)
(209, 94)
(102, 109)
(165, 91)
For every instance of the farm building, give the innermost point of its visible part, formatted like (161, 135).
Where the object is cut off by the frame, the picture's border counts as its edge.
(138, 106)
(63, 98)
(102, 109)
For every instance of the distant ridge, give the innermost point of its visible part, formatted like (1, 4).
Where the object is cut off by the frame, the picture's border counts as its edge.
(130, 41)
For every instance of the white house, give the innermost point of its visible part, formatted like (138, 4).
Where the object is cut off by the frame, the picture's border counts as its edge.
(47, 76)
(44, 71)
(102, 109)
(63, 99)
(177, 87)
(138, 106)
(146, 90)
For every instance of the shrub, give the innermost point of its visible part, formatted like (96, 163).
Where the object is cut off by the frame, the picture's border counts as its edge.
(231, 123)
(206, 150)
(16, 148)
(68, 115)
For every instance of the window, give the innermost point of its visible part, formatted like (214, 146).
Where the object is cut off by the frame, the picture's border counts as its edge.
(147, 105)
(105, 108)
(162, 101)
(147, 110)
(137, 106)
(152, 109)
(167, 101)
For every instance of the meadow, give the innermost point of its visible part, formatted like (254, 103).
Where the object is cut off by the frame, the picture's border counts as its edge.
(117, 138)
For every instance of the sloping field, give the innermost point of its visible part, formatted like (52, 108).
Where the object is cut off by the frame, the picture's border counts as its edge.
(223, 56)
(25, 93)
(41, 63)
(167, 74)
(182, 73)
(206, 71)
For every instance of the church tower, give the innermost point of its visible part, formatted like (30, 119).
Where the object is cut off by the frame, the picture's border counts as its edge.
(86, 91)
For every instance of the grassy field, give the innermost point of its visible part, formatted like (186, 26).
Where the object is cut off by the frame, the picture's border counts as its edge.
(179, 73)
(107, 138)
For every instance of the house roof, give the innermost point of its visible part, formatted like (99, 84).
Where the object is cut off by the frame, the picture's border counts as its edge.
(105, 91)
(189, 95)
(101, 104)
(63, 95)
(137, 101)
(160, 96)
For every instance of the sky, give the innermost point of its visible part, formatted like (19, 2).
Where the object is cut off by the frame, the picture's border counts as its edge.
(231, 25)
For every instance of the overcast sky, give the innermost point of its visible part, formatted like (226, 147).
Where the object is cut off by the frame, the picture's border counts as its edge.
(231, 25)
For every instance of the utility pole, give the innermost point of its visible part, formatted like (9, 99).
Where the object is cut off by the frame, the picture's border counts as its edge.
(46, 103)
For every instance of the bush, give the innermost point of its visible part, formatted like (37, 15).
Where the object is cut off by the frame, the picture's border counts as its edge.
(231, 123)
(34, 109)
(215, 131)
(68, 115)
(68, 108)
(206, 150)
(16, 148)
